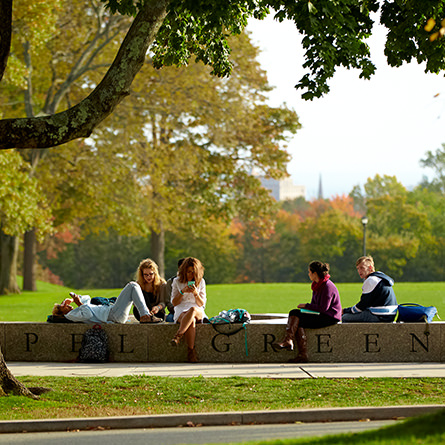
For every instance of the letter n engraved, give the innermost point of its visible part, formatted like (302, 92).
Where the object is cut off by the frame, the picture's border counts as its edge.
(372, 341)
(227, 345)
(324, 344)
(122, 350)
(31, 339)
(268, 340)
(75, 343)
(417, 339)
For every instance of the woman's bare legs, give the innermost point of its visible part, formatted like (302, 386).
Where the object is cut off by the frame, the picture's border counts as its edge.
(187, 328)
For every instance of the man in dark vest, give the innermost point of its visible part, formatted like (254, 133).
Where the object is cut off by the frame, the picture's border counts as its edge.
(378, 302)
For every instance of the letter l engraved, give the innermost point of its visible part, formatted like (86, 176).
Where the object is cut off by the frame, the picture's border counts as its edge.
(122, 345)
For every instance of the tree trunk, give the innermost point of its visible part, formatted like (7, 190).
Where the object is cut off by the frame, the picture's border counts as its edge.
(5, 34)
(9, 248)
(9, 384)
(158, 249)
(29, 254)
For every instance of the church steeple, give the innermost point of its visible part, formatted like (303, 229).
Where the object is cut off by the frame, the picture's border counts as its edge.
(320, 189)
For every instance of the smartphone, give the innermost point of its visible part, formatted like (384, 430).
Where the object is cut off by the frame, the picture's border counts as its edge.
(191, 283)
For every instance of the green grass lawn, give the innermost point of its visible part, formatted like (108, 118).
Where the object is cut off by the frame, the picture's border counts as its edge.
(144, 394)
(255, 297)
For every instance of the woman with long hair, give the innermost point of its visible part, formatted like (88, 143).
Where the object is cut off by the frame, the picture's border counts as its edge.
(323, 310)
(189, 299)
(153, 288)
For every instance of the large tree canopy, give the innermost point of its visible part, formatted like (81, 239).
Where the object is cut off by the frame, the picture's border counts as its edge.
(334, 35)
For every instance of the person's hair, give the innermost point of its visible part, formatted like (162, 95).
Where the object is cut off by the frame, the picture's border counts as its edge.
(151, 265)
(368, 259)
(180, 261)
(198, 270)
(321, 269)
(57, 311)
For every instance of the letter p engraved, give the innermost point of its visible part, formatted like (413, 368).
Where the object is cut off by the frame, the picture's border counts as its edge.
(31, 339)
(372, 341)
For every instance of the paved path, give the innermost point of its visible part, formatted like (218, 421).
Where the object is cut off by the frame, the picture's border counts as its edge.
(270, 370)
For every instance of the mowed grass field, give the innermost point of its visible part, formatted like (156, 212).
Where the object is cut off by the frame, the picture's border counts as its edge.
(254, 297)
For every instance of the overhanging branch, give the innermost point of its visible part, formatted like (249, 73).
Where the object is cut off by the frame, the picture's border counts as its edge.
(80, 120)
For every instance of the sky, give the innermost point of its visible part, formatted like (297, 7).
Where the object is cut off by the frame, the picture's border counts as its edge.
(361, 128)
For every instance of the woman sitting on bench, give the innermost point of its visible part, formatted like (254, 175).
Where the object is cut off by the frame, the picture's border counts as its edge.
(323, 310)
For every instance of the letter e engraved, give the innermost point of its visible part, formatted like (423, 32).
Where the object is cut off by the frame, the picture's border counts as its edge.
(75, 343)
(227, 345)
(122, 350)
(372, 343)
(31, 339)
(414, 337)
(326, 343)
(269, 342)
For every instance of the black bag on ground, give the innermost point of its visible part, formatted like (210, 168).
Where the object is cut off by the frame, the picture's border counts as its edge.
(94, 348)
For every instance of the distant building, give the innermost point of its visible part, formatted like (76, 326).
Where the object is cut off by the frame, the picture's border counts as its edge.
(282, 189)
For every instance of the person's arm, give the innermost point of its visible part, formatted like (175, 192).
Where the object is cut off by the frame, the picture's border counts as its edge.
(176, 294)
(162, 297)
(82, 313)
(200, 293)
(322, 301)
(368, 294)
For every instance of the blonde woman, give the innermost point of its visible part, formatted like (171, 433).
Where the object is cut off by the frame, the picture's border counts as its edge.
(153, 288)
(189, 299)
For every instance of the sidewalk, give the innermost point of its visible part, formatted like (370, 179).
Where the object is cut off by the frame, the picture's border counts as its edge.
(266, 370)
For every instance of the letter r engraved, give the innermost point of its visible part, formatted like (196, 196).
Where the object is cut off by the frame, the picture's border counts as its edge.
(414, 337)
(269, 342)
(31, 339)
(372, 343)
(326, 343)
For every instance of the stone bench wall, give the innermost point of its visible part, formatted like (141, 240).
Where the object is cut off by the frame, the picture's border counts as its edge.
(342, 343)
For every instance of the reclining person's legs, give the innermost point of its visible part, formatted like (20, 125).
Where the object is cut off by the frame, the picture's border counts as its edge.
(130, 294)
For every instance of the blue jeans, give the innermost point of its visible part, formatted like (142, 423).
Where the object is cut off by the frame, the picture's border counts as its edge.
(130, 294)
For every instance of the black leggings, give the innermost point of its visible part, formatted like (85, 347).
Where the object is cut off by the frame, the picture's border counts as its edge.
(312, 321)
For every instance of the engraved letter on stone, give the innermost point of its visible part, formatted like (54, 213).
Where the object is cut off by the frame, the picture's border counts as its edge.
(31, 339)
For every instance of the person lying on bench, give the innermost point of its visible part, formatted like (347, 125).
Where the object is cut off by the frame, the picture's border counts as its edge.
(113, 313)
(378, 302)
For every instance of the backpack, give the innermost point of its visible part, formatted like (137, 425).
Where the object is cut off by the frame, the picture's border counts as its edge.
(240, 316)
(94, 347)
(231, 316)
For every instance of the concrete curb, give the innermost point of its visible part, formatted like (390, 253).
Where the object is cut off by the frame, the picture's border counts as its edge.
(215, 419)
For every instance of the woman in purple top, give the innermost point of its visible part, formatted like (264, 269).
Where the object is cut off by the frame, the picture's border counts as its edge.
(323, 310)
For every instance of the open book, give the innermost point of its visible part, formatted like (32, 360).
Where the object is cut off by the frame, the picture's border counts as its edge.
(308, 311)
